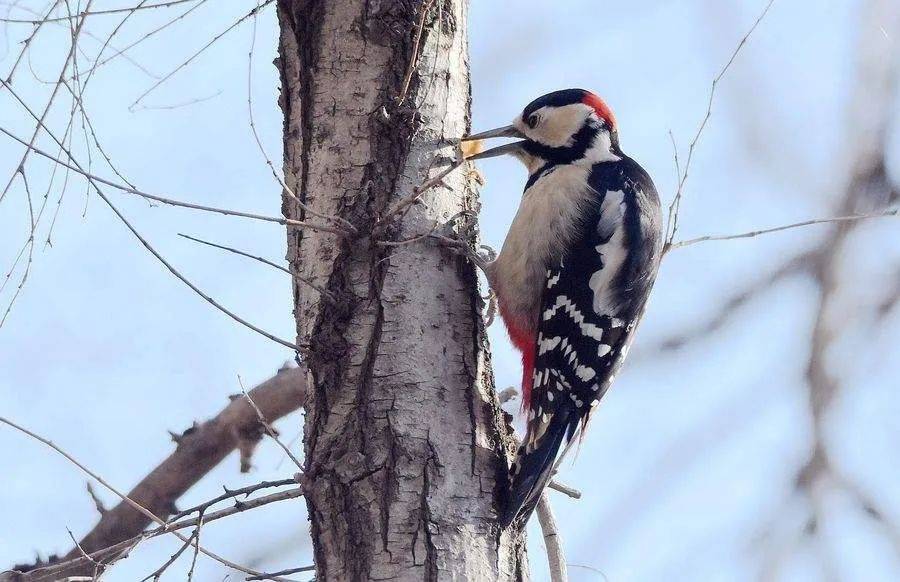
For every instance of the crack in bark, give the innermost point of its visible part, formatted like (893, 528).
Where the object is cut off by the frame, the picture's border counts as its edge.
(425, 519)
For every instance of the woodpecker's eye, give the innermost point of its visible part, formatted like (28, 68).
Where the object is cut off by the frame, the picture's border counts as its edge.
(533, 120)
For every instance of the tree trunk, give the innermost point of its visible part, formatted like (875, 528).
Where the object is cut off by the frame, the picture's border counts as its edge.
(406, 446)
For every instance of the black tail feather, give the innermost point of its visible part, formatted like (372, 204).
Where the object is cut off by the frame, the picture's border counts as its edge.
(532, 471)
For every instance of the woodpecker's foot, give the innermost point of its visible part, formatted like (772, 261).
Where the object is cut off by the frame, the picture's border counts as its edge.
(491, 310)
(481, 258)
(458, 242)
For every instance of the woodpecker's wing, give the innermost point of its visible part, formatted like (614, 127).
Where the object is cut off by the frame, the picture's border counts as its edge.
(591, 304)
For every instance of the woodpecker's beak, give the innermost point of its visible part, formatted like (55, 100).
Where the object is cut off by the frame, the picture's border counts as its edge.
(508, 131)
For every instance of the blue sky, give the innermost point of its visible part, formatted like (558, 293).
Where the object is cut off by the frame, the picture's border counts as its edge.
(692, 455)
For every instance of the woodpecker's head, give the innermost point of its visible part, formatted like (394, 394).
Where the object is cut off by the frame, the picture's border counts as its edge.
(562, 127)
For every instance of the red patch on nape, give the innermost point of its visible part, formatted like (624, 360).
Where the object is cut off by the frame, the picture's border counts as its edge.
(600, 106)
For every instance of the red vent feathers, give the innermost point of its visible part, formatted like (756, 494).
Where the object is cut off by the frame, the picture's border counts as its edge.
(602, 109)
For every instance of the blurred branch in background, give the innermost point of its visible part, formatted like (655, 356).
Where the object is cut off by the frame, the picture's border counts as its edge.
(869, 189)
(869, 193)
(85, 564)
(198, 450)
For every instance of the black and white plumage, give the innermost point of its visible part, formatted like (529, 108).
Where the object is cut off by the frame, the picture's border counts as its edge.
(574, 273)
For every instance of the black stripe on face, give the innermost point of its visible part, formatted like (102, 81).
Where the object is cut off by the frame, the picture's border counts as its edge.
(581, 141)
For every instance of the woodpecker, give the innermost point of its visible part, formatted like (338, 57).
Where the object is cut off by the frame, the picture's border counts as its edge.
(574, 272)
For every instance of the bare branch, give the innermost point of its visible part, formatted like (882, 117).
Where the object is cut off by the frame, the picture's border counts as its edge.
(157, 574)
(237, 252)
(322, 291)
(133, 504)
(414, 57)
(417, 193)
(59, 571)
(86, 13)
(212, 41)
(40, 120)
(754, 233)
(26, 44)
(121, 52)
(231, 494)
(552, 540)
(196, 536)
(674, 207)
(284, 572)
(287, 189)
(199, 450)
(171, 201)
(564, 489)
(269, 430)
(93, 180)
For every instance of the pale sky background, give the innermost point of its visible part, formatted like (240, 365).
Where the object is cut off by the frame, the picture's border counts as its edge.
(691, 457)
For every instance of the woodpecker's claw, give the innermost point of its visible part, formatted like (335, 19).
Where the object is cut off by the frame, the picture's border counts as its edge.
(491, 310)
(458, 243)
(489, 252)
(481, 258)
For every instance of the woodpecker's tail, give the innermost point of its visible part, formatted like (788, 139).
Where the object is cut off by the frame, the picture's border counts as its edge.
(533, 468)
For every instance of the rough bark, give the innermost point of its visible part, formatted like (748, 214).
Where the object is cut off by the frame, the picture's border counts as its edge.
(405, 442)
(199, 450)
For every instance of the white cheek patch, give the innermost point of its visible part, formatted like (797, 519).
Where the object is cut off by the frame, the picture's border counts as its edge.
(559, 124)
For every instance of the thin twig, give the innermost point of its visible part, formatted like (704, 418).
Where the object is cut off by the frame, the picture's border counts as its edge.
(47, 572)
(157, 574)
(26, 44)
(29, 244)
(290, 192)
(322, 291)
(284, 573)
(87, 13)
(197, 529)
(172, 202)
(237, 252)
(164, 526)
(199, 52)
(269, 430)
(675, 206)
(417, 192)
(414, 57)
(230, 494)
(753, 233)
(122, 51)
(40, 121)
(98, 567)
